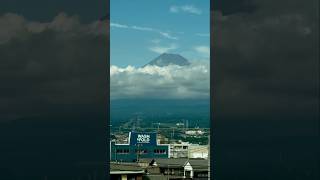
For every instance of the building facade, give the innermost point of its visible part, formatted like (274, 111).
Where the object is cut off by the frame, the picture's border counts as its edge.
(126, 171)
(187, 150)
(180, 168)
(140, 145)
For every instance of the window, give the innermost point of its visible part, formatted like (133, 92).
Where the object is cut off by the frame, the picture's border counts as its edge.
(122, 151)
(160, 151)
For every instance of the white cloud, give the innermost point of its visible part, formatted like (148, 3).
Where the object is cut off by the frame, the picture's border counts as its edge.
(14, 26)
(169, 82)
(185, 8)
(203, 50)
(191, 9)
(167, 35)
(163, 49)
(118, 25)
(141, 28)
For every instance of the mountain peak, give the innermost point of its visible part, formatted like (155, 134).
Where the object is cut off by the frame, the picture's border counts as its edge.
(167, 59)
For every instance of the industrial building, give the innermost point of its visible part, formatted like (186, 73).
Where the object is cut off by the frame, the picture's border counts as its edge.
(140, 145)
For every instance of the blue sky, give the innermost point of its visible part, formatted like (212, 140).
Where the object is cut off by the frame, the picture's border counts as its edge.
(143, 29)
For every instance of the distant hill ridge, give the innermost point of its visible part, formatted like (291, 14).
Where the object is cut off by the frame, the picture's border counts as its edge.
(167, 59)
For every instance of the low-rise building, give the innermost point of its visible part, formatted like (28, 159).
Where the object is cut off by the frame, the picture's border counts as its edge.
(187, 150)
(180, 168)
(179, 150)
(198, 151)
(126, 171)
(196, 132)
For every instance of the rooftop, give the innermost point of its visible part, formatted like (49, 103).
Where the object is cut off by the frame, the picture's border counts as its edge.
(125, 168)
(198, 164)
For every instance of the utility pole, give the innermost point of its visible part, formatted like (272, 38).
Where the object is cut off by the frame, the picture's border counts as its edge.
(172, 133)
(138, 152)
(133, 126)
(137, 121)
(158, 126)
(115, 153)
(168, 172)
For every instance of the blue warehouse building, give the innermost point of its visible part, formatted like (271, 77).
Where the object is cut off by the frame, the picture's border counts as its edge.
(140, 145)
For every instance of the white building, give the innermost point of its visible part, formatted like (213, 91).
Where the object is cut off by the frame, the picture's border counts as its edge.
(194, 132)
(187, 150)
(179, 150)
(198, 151)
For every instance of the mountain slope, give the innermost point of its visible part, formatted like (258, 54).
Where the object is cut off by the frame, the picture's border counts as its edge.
(166, 59)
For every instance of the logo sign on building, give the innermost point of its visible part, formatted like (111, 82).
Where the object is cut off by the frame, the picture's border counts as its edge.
(143, 138)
